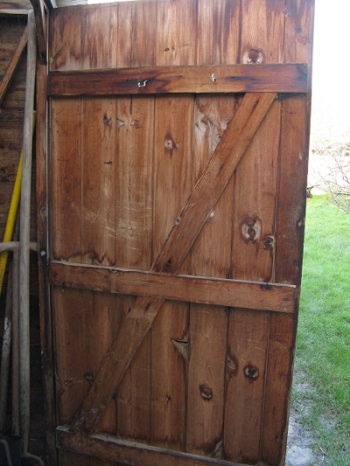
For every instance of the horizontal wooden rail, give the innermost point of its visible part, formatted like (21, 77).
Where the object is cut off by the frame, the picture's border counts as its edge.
(222, 292)
(123, 451)
(283, 78)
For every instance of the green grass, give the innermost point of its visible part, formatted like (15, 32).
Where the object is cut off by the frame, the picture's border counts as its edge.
(323, 343)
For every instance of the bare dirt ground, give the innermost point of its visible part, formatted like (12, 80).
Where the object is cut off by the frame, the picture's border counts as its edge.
(302, 449)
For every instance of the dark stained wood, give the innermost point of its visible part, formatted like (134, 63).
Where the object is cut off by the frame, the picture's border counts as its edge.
(179, 79)
(224, 292)
(103, 446)
(6, 79)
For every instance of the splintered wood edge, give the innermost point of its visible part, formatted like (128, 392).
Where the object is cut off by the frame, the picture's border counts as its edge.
(282, 78)
(113, 449)
(204, 290)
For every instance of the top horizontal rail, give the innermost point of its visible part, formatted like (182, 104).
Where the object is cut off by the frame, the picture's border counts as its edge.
(282, 78)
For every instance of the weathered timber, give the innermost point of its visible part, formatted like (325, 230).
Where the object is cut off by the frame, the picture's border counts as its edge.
(134, 148)
(192, 218)
(44, 291)
(172, 167)
(294, 146)
(6, 79)
(291, 78)
(207, 342)
(253, 243)
(127, 452)
(222, 292)
(39, 7)
(195, 377)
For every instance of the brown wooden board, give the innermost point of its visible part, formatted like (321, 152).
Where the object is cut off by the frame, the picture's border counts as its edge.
(175, 236)
(178, 79)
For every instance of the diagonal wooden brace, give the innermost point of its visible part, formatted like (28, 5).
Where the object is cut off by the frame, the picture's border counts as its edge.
(6, 79)
(199, 205)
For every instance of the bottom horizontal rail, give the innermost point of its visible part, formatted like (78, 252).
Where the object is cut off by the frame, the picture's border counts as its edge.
(109, 448)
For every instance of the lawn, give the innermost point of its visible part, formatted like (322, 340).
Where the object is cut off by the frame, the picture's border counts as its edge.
(323, 343)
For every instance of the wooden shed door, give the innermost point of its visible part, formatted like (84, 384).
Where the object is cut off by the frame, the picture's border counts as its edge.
(177, 181)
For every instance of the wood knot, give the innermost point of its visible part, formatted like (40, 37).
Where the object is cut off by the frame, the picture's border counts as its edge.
(251, 372)
(253, 56)
(120, 122)
(107, 121)
(268, 242)
(206, 392)
(170, 144)
(251, 229)
(89, 378)
(231, 365)
(136, 123)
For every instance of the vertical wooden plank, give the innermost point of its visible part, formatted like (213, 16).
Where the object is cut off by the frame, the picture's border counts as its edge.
(98, 233)
(135, 132)
(290, 231)
(176, 24)
(69, 369)
(46, 332)
(245, 373)
(173, 184)
(96, 38)
(217, 43)
(262, 27)
(65, 179)
(66, 216)
(98, 180)
(65, 47)
(90, 201)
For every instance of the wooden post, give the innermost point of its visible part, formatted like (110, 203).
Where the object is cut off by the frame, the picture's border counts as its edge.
(24, 266)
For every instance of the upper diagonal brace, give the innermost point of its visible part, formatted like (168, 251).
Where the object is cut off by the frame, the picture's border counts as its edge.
(201, 202)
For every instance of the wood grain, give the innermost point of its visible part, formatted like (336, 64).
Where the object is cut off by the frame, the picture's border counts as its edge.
(134, 190)
(208, 324)
(253, 243)
(173, 172)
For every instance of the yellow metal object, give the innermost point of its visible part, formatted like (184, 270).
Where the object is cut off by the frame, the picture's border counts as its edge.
(11, 219)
